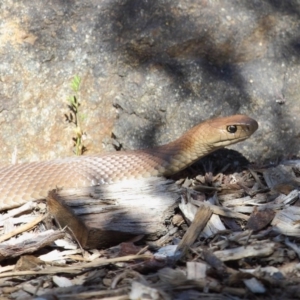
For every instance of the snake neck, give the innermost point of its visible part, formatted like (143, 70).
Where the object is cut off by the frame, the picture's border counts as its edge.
(180, 154)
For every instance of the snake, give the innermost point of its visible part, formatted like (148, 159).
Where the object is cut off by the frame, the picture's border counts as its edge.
(20, 183)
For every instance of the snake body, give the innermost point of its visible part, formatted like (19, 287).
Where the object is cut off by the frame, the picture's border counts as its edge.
(29, 181)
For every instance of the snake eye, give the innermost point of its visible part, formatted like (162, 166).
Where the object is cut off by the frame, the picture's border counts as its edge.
(232, 128)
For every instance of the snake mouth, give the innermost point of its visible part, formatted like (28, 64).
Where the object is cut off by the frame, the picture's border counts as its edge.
(221, 144)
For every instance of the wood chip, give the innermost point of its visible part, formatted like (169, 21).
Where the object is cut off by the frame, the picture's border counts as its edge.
(201, 218)
(281, 179)
(255, 286)
(286, 221)
(255, 250)
(115, 213)
(22, 228)
(32, 244)
(140, 291)
(196, 270)
(259, 219)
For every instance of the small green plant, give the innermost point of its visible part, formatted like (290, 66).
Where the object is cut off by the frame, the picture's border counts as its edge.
(75, 117)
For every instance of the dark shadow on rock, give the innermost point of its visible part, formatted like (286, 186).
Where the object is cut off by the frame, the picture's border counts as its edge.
(262, 9)
(152, 32)
(146, 138)
(291, 7)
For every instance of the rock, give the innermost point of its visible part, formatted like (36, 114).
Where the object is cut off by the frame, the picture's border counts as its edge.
(150, 70)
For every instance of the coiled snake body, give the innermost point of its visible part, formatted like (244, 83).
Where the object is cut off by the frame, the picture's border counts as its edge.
(23, 182)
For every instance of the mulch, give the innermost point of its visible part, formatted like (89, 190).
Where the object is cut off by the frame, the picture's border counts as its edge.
(233, 235)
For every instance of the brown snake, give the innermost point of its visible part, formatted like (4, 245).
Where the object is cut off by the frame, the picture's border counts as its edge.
(29, 181)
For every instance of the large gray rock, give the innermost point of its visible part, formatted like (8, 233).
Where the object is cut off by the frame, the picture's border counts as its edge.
(150, 70)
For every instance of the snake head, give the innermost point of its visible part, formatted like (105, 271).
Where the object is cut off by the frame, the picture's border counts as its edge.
(201, 140)
(229, 130)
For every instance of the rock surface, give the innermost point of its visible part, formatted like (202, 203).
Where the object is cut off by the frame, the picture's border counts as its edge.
(150, 70)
